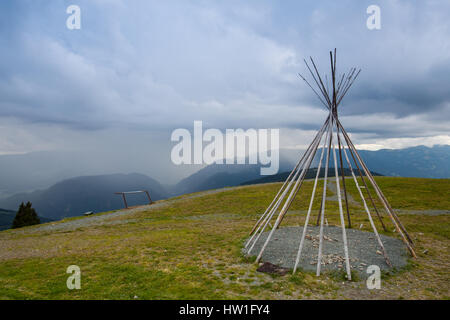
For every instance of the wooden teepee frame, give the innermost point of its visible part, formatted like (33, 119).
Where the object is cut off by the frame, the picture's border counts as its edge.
(332, 132)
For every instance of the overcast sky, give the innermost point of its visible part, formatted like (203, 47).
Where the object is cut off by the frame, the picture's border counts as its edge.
(139, 69)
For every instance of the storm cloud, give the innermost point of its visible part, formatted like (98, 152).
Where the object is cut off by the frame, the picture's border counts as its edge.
(146, 67)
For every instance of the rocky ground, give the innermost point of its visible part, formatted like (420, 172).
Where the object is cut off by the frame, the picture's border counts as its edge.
(363, 249)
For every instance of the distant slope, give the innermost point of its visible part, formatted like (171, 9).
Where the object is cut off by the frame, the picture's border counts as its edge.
(73, 197)
(7, 218)
(40, 170)
(420, 161)
(218, 176)
(311, 174)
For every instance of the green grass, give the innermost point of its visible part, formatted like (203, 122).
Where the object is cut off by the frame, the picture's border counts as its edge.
(410, 193)
(190, 249)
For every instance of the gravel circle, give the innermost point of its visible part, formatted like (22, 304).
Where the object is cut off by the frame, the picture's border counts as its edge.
(363, 247)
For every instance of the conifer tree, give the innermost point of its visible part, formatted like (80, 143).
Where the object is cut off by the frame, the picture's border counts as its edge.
(26, 216)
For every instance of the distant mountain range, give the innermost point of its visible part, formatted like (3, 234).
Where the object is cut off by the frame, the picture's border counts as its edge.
(73, 197)
(40, 170)
(418, 161)
(222, 175)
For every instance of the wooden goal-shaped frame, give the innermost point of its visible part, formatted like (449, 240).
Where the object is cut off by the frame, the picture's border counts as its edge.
(132, 192)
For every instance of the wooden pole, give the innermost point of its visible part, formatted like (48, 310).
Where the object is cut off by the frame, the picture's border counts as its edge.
(353, 78)
(341, 215)
(125, 200)
(318, 85)
(321, 83)
(289, 200)
(318, 96)
(376, 187)
(322, 213)
(297, 260)
(383, 250)
(343, 179)
(286, 181)
(333, 73)
(320, 210)
(302, 178)
(262, 227)
(269, 216)
(148, 196)
(264, 224)
(367, 189)
(389, 210)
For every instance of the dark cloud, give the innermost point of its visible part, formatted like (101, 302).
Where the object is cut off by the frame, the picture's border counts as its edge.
(161, 65)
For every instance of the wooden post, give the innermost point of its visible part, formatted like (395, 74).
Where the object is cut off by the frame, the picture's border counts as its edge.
(320, 210)
(343, 178)
(386, 258)
(260, 220)
(269, 216)
(289, 199)
(302, 178)
(367, 189)
(266, 221)
(297, 260)
(148, 196)
(322, 213)
(125, 200)
(389, 210)
(341, 215)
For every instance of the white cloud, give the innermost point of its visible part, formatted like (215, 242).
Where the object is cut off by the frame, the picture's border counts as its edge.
(400, 143)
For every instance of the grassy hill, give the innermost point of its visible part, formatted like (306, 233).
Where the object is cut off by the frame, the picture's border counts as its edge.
(189, 247)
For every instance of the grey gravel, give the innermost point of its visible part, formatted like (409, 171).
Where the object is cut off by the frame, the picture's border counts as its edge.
(363, 246)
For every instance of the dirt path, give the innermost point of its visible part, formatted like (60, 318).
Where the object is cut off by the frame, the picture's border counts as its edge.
(331, 186)
(108, 218)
